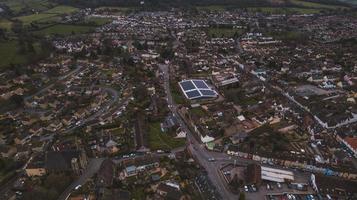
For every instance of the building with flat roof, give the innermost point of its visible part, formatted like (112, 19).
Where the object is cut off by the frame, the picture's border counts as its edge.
(197, 89)
(276, 175)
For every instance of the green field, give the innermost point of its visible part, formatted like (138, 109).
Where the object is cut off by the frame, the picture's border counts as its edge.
(115, 8)
(98, 21)
(211, 8)
(287, 10)
(9, 54)
(163, 141)
(62, 10)
(17, 5)
(48, 16)
(43, 17)
(64, 29)
(315, 5)
(5, 24)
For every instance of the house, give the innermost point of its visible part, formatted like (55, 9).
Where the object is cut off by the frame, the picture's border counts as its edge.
(7, 151)
(36, 166)
(140, 164)
(351, 144)
(206, 138)
(22, 152)
(111, 147)
(233, 150)
(170, 191)
(239, 137)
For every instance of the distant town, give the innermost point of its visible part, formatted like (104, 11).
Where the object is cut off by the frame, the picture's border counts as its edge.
(202, 102)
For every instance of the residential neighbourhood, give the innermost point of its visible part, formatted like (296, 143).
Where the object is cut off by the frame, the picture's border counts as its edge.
(198, 102)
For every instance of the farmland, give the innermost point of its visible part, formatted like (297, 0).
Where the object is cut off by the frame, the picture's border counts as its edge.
(50, 15)
(287, 10)
(315, 5)
(64, 29)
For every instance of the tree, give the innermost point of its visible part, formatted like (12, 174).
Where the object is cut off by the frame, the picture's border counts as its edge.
(17, 26)
(17, 99)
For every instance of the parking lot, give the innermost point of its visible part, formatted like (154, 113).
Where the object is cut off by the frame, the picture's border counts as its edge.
(281, 191)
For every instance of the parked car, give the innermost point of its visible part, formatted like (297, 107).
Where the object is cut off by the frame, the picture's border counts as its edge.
(246, 188)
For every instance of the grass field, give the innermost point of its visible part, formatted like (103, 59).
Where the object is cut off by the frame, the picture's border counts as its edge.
(9, 54)
(28, 19)
(162, 141)
(62, 10)
(315, 5)
(287, 10)
(48, 16)
(64, 29)
(211, 8)
(5, 24)
(17, 5)
(98, 21)
(115, 8)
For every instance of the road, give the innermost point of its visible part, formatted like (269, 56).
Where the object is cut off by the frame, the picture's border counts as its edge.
(91, 170)
(115, 97)
(75, 71)
(200, 153)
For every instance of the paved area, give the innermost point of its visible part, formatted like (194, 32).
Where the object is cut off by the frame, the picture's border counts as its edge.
(92, 168)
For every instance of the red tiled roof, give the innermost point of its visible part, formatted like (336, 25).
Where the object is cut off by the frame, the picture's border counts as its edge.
(352, 141)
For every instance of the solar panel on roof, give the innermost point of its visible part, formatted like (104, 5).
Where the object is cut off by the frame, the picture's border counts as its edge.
(208, 92)
(187, 85)
(193, 94)
(200, 84)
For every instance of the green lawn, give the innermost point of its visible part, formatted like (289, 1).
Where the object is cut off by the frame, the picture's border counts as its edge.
(9, 54)
(116, 8)
(48, 16)
(212, 8)
(5, 24)
(64, 29)
(17, 5)
(287, 10)
(28, 19)
(198, 111)
(315, 5)
(62, 10)
(163, 141)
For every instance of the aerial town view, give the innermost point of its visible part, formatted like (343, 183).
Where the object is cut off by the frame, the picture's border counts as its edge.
(178, 99)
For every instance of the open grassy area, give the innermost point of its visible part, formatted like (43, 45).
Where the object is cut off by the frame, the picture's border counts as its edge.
(211, 8)
(64, 29)
(163, 141)
(315, 5)
(28, 19)
(287, 10)
(223, 32)
(51, 15)
(5, 24)
(9, 54)
(98, 21)
(62, 10)
(20, 5)
(116, 8)
(198, 111)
